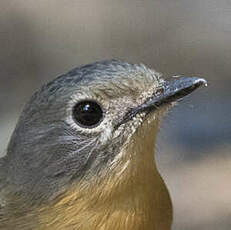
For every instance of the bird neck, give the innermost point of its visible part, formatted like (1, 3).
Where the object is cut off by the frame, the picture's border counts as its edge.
(131, 196)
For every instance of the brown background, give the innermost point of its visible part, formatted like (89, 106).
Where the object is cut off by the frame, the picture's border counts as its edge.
(41, 39)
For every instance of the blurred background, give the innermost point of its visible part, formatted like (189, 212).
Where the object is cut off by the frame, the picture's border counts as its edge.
(42, 39)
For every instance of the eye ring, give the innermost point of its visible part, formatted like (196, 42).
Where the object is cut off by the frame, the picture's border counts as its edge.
(88, 114)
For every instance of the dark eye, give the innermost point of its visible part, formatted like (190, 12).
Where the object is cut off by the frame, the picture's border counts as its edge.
(159, 91)
(88, 114)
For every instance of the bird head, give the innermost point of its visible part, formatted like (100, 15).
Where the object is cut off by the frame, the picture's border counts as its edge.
(79, 126)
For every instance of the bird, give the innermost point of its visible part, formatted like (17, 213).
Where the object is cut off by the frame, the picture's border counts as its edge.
(82, 154)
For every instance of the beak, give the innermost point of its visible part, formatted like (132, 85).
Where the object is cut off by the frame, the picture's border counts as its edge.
(170, 91)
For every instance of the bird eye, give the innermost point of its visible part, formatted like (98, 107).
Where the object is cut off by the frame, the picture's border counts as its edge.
(88, 114)
(159, 91)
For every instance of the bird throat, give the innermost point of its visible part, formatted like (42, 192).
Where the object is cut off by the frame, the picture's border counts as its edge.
(132, 196)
